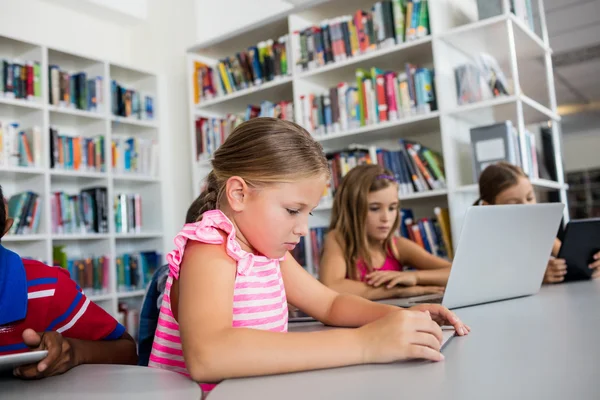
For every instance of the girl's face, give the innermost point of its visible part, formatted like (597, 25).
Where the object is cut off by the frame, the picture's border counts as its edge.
(521, 193)
(382, 212)
(275, 217)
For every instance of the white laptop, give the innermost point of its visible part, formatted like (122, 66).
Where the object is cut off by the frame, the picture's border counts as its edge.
(502, 254)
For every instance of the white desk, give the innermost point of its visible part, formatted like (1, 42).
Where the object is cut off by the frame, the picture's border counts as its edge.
(114, 382)
(545, 346)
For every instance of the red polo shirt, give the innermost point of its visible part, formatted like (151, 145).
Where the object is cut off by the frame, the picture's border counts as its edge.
(43, 298)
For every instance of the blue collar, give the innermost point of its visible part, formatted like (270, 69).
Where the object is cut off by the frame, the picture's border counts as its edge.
(13, 287)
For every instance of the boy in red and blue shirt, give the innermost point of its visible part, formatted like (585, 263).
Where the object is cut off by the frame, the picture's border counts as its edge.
(41, 308)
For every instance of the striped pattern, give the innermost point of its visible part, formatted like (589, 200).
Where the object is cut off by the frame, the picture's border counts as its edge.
(259, 300)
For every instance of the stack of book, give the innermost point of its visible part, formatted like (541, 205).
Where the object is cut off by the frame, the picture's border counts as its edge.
(135, 155)
(266, 61)
(75, 90)
(432, 234)
(386, 24)
(212, 132)
(130, 103)
(90, 273)
(77, 153)
(128, 213)
(20, 147)
(83, 213)
(340, 163)
(135, 270)
(20, 80)
(25, 208)
(377, 96)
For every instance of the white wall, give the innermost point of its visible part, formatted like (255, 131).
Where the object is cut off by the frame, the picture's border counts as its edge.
(157, 44)
(214, 18)
(582, 149)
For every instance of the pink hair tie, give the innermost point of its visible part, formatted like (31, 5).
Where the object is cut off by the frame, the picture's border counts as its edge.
(384, 176)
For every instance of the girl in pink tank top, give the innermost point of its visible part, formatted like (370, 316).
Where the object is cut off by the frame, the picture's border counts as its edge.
(224, 312)
(363, 255)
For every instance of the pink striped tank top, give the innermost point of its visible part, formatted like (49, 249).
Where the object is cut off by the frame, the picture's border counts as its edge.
(259, 299)
(390, 264)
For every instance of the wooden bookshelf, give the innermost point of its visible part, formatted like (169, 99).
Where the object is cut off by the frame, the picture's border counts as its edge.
(44, 180)
(456, 37)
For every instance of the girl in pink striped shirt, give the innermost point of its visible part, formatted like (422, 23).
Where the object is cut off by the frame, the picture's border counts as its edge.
(224, 312)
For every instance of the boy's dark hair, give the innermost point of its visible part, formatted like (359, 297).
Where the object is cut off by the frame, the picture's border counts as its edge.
(194, 211)
(2, 215)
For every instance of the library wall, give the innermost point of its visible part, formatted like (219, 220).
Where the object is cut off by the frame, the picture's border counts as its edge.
(581, 149)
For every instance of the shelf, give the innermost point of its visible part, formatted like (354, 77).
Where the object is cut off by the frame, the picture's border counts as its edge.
(430, 194)
(101, 297)
(36, 105)
(276, 90)
(540, 184)
(79, 236)
(18, 173)
(390, 58)
(75, 112)
(135, 122)
(143, 235)
(134, 293)
(412, 126)
(78, 174)
(505, 108)
(24, 238)
(132, 177)
(490, 36)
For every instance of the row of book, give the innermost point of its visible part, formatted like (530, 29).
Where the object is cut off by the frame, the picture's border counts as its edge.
(129, 317)
(501, 142)
(25, 209)
(20, 79)
(521, 8)
(135, 155)
(128, 213)
(90, 273)
(75, 90)
(480, 80)
(432, 234)
(130, 103)
(378, 96)
(387, 23)
(317, 241)
(212, 132)
(77, 153)
(86, 212)
(20, 147)
(135, 270)
(266, 61)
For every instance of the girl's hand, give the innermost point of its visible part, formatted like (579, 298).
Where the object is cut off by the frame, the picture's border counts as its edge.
(596, 266)
(443, 316)
(555, 271)
(401, 335)
(412, 291)
(392, 278)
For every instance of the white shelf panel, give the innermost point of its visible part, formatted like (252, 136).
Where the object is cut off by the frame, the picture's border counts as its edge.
(135, 122)
(78, 236)
(505, 108)
(24, 238)
(78, 174)
(143, 235)
(412, 125)
(134, 293)
(77, 113)
(430, 194)
(101, 297)
(17, 173)
(275, 90)
(389, 58)
(540, 184)
(36, 105)
(135, 178)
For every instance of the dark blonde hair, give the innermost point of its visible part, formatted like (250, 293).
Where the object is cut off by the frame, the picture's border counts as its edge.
(262, 151)
(349, 214)
(495, 179)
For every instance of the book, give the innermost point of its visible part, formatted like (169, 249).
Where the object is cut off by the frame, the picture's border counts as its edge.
(75, 90)
(20, 79)
(76, 153)
(83, 213)
(134, 155)
(26, 209)
(128, 102)
(128, 213)
(135, 270)
(91, 273)
(20, 147)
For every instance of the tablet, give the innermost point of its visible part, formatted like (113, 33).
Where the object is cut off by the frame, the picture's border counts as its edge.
(581, 242)
(11, 361)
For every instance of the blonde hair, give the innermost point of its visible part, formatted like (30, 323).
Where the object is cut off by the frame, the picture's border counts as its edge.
(495, 179)
(349, 214)
(262, 151)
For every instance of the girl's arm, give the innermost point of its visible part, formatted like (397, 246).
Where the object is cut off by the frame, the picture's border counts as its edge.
(202, 303)
(432, 270)
(332, 272)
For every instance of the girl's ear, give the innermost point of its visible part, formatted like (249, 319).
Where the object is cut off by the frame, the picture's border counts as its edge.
(236, 191)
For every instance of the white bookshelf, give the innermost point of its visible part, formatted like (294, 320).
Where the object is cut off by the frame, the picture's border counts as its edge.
(456, 37)
(44, 180)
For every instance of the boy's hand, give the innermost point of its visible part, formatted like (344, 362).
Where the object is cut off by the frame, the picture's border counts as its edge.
(443, 316)
(596, 266)
(61, 355)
